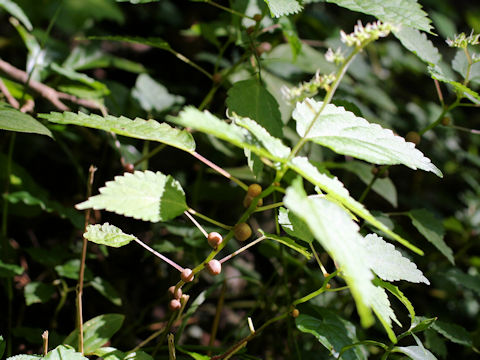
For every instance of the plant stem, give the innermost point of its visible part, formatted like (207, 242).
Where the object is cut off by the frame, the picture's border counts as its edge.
(171, 347)
(191, 63)
(231, 11)
(324, 271)
(268, 207)
(150, 154)
(235, 253)
(195, 222)
(371, 183)
(316, 293)
(156, 253)
(91, 172)
(210, 220)
(216, 319)
(45, 342)
(219, 170)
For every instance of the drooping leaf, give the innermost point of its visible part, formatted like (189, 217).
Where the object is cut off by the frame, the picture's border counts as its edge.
(388, 263)
(107, 290)
(288, 242)
(38, 292)
(294, 226)
(14, 120)
(152, 95)
(432, 229)
(80, 77)
(149, 41)
(248, 98)
(10, 270)
(418, 43)
(13, 9)
(453, 332)
(382, 308)
(142, 195)
(335, 189)
(283, 7)
(107, 234)
(138, 128)
(96, 332)
(63, 352)
(394, 290)
(415, 352)
(400, 12)
(331, 331)
(437, 73)
(208, 123)
(338, 234)
(347, 134)
(468, 281)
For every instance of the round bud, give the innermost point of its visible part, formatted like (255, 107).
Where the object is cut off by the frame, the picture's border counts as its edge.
(254, 190)
(217, 78)
(174, 305)
(250, 29)
(263, 47)
(446, 121)
(257, 17)
(413, 137)
(382, 172)
(295, 313)
(174, 294)
(187, 275)
(242, 231)
(214, 239)
(374, 170)
(214, 267)
(247, 200)
(328, 286)
(129, 167)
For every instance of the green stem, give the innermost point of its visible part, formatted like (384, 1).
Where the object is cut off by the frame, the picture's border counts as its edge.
(150, 154)
(316, 293)
(371, 183)
(438, 121)
(324, 271)
(231, 11)
(210, 220)
(469, 66)
(191, 63)
(268, 207)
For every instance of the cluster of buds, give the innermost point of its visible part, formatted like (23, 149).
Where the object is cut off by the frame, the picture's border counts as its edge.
(335, 57)
(462, 41)
(307, 88)
(362, 35)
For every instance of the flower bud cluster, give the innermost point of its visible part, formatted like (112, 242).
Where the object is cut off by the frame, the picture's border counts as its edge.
(363, 35)
(462, 41)
(335, 57)
(307, 88)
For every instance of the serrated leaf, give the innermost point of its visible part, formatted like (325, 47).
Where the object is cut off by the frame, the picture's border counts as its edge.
(10, 270)
(152, 95)
(382, 308)
(394, 290)
(96, 332)
(437, 73)
(418, 43)
(248, 98)
(432, 229)
(332, 331)
(25, 357)
(106, 289)
(458, 277)
(400, 12)
(435, 343)
(12, 119)
(335, 189)
(63, 352)
(288, 242)
(283, 7)
(208, 123)
(338, 234)
(38, 292)
(137, 128)
(272, 144)
(388, 263)
(149, 41)
(142, 195)
(415, 352)
(107, 234)
(453, 332)
(294, 226)
(80, 77)
(13, 9)
(347, 134)
(421, 324)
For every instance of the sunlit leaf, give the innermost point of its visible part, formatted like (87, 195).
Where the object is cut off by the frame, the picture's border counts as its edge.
(38, 292)
(152, 95)
(418, 43)
(415, 352)
(288, 242)
(294, 226)
(10, 270)
(107, 234)
(394, 290)
(106, 289)
(16, 11)
(283, 7)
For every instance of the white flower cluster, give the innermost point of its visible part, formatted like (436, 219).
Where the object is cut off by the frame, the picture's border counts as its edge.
(462, 41)
(335, 57)
(362, 35)
(307, 88)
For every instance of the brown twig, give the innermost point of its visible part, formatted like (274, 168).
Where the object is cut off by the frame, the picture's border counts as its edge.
(45, 91)
(11, 100)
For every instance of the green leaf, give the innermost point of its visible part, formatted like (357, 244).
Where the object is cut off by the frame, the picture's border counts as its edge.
(345, 133)
(106, 289)
(25, 357)
(400, 12)
(272, 144)
(152, 95)
(16, 11)
(458, 277)
(335, 189)
(294, 226)
(388, 263)
(290, 33)
(248, 98)
(331, 331)
(71, 269)
(38, 292)
(10, 270)
(435, 343)
(418, 43)
(394, 290)
(149, 41)
(208, 123)
(283, 7)
(453, 332)
(96, 332)
(437, 73)
(138, 355)
(3, 344)
(381, 307)
(432, 229)
(421, 324)
(195, 356)
(63, 352)
(109, 353)
(142, 195)
(460, 65)
(338, 234)
(76, 76)
(107, 234)
(415, 352)
(287, 242)
(138, 128)
(14, 120)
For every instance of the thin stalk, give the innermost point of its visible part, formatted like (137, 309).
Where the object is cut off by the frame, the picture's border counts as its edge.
(219, 170)
(242, 249)
(316, 293)
(469, 66)
(91, 172)
(461, 128)
(150, 154)
(210, 220)
(195, 222)
(45, 342)
(371, 183)
(191, 63)
(324, 271)
(171, 347)
(231, 11)
(268, 207)
(216, 319)
(147, 340)
(440, 117)
(439, 92)
(156, 253)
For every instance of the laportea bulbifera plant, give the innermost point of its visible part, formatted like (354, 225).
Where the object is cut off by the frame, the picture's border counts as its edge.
(312, 211)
